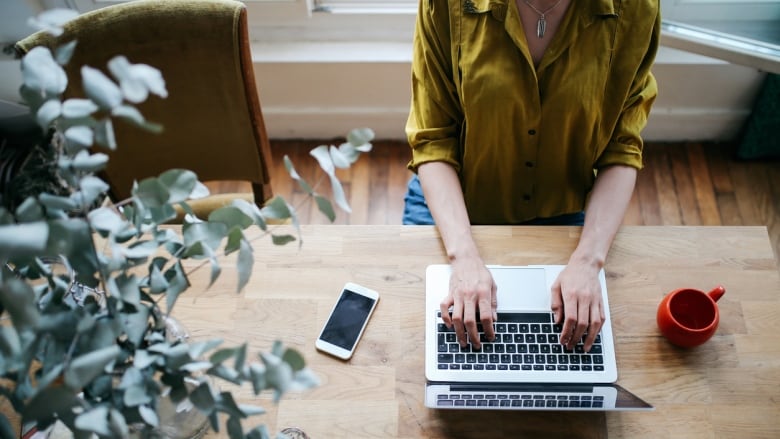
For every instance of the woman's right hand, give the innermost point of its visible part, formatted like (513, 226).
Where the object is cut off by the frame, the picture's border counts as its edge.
(472, 299)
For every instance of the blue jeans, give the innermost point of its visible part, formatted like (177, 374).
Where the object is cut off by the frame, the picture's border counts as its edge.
(416, 210)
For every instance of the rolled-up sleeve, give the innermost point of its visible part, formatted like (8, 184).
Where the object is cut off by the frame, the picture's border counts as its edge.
(625, 145)
(434, 123)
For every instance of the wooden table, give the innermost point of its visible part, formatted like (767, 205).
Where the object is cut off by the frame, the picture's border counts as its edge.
(728, 387)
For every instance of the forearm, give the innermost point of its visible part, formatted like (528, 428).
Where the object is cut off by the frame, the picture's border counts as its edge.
(604, 214)
(444, 197)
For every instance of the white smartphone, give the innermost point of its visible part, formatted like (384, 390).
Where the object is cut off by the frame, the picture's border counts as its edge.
(347, 320)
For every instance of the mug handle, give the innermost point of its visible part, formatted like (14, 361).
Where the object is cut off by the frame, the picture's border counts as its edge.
(717, 293)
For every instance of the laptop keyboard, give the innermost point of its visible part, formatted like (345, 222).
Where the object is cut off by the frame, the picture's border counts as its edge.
(520, 400)
(524, 342)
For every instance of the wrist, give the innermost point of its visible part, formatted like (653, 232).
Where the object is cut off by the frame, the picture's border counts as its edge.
(587, 258)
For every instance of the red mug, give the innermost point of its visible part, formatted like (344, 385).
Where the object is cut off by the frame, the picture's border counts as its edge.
(688, 317)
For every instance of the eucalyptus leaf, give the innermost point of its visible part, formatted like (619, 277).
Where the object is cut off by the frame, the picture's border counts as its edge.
(235, 431)
(29, 210)
(52, 20)
(85, 368)
(180, 184)
(64, 52)
(41, 73)
(251, 410)
(49, 401)
(18, 299)
(157, 282)
(282, 239)
(231, 217)
(91, 188)
(95, 420)
(324, 159)
(210, 234)
(82, 137)
(117, 424)
(48, 112)
(6, 429)
(244, 264)
(104, 134)
(216, 270)
(276, 208)
(151, 192)
(324, 205)
(106, 220)
(338, 194)
(203, 398)
(77, 108)
(288, 164)
(198, 349)
(23, 240)
(294, 359)
(339, 159)
(128, 113)
(86, 162)
(102, 90)
(257, 376)
(144, 359)
(129, 289)
(136, 395)
(137, 80)
(361, 138)
(135, 324)
(50, 201)
(178, 283)
(149, 415)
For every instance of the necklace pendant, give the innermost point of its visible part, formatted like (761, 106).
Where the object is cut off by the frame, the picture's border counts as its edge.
(541, 26)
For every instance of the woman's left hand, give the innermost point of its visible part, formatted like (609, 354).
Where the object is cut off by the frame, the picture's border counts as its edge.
(576, 303)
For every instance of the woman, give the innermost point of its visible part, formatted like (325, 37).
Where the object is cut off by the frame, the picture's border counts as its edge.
(528, 112)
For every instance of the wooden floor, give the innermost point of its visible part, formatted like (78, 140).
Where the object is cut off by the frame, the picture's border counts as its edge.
(681, 184)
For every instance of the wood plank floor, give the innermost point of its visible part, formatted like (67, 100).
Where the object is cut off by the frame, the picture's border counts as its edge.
(681, 184)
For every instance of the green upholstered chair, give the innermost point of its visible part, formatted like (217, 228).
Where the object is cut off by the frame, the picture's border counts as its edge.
(212, 121)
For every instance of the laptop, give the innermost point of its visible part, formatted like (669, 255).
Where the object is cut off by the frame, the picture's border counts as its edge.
(525, 367)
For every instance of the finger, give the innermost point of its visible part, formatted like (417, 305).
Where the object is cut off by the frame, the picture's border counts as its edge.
(494, 302)
(444, 307)
(457, 322)
(470, 322)
(569, 317)
(486, 312)
(583, 318)
(556, 301)
(596, 322)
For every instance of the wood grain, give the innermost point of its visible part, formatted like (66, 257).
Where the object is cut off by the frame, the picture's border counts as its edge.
(725, 388)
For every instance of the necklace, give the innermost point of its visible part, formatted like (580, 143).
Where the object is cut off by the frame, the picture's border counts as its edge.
(541, 24)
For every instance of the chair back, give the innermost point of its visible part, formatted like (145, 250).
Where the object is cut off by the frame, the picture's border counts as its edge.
(212, 120)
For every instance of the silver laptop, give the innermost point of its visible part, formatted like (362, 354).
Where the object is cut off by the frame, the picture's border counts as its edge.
(525, 367)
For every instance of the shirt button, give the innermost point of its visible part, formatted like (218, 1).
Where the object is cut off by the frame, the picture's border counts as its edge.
(529, 164)
(532, 132)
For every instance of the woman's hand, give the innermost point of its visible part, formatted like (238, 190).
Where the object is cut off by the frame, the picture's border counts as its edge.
(472, 298)
(576, 303)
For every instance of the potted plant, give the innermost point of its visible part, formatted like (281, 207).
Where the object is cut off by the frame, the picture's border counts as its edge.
(89, 338)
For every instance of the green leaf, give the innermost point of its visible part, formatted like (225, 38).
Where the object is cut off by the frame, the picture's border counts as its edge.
(49, 401)
(282, 239)
(235, 431)
(129, 289)
(180, 184)
(294, 359)
(137, 80)
(23, 240)
(151, 192)
(136, 395)
(85, 368)
(76, 108)
(64, 52)
(136, 324)
(53, 202)
(338, 194)
(215, 270)
(48, 112)
(244, 264)
(91, 188)
(95, 420)
(18, 299)
(104, 134)
(226, 373)
(324, 159)
(288, 164)
(82, 136)
(149, 415)
(128, 113)
(203, 398)
(251, 410)
(42, 74)
(338, 158)
(240, 357)
(231, 216)
(276, 208)
(323, 204)
(251, 210)
(257, 375)
(10, 344)
(117, 424)
(235, 236)
(6, 430)
(30, 210)
(221, 355)
(199, 348)
(178, 283)
(361, 138)
(52, 20)
(106, 220)
(98, 87)
(85, 162)
(157, 282)
(210, 234)
(260, 432)
(141, 249)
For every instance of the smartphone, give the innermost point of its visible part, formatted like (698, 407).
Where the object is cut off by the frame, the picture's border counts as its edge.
(346, 322)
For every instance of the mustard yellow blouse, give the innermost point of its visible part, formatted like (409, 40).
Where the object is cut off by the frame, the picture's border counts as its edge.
(527, 142)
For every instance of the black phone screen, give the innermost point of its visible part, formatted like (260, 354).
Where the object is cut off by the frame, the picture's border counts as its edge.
(346, 322)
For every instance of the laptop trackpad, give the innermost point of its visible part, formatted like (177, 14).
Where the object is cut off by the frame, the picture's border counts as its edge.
(521, 288)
